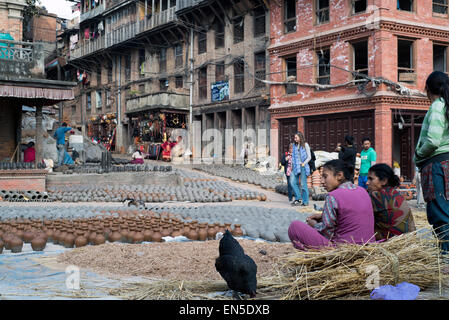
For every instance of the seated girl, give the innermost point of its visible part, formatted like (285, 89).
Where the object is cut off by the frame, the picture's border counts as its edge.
(347, 214)
(137, 157)
(392, 215)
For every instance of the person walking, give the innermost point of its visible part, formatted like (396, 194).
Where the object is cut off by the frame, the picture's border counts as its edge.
(60, 141)
(300, 170)
(432, 156)
(368, 159)
(347, 153)
(286, 162)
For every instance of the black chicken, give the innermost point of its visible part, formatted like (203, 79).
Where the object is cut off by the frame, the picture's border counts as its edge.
(134, 202)
(236, 268)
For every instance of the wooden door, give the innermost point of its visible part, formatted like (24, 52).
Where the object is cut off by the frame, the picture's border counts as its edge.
(288, 128)
(406, 155)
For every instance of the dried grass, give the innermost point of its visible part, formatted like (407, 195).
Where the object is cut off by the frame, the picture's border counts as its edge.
(348, 269)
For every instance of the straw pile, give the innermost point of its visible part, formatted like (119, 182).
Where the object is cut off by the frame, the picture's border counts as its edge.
(351, 269)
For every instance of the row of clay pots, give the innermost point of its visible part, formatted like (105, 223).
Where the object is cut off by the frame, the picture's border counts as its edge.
(94, 231)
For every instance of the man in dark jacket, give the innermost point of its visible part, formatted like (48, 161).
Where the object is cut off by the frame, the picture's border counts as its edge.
(347, 153)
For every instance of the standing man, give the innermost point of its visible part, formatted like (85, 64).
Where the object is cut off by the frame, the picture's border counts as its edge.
(347, 153)
(60, 141)
(368, 157)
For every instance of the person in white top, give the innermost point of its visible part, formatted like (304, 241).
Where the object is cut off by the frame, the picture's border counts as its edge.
(137, 157)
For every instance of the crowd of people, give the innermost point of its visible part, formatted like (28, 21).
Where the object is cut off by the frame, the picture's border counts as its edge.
(373, 210)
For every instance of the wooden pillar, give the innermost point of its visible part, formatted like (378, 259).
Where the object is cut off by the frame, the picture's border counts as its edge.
(39, 136)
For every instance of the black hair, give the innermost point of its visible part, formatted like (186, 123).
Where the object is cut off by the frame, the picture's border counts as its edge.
(30, 144)
(64, 124)
(338, 165)
(438, 83)
(365, 139)
(349, 139)
(384, 171)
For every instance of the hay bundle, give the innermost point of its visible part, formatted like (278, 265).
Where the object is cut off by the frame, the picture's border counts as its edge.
(356, 270)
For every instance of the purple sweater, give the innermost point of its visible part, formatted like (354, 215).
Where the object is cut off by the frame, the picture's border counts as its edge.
(355, 219)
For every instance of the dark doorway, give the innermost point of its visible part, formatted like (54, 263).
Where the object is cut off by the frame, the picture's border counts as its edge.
(287, 129)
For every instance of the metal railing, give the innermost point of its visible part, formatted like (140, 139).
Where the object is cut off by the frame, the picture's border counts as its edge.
(122, 33)
(16, 50)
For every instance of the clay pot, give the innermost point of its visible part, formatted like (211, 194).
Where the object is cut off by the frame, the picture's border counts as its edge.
(7, 237)
(61, 236)
(221, 228)
(92, 236)
(228, 227)
(81, 240)
(115, 236)
(176, 232)
(237, 232)
(165, 232)
(131, 234)
(138, 237)
(147, 234)
(28, 235)
(211, 232)
(38, 243)
(99, 239)
(156, 237)
(49, 233)
(124, 232)
(192, 235)
(69, 240)
(1, 246)
(16, 244)
(202, 233)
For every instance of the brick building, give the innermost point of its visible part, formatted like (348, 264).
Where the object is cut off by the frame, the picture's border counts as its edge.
(396, 43)
(230, 39)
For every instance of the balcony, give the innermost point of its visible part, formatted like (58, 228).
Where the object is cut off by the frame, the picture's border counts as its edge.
(93, 13)
(21, 59)
(122, 33)
(187, 4)
(158, 100)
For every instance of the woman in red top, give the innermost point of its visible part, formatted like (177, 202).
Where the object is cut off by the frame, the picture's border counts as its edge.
(29, 155)
(392, 215)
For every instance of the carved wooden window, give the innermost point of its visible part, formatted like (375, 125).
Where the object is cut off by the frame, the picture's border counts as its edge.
(358, 6)
(406, 5)
(291, 75)
(202, 42)
(238, 30)
(163, 60)
(179, 82)
(440, 58)
(220, 72)
(219, 34)
(178, 56)
(259, 69)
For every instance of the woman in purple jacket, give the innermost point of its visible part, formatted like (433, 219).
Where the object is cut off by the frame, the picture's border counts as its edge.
(347, 214)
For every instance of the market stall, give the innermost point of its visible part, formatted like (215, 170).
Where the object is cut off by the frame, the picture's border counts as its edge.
(102, 129)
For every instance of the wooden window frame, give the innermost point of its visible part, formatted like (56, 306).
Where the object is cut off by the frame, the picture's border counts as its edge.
(438, 14)
(317, 69)
(128, 64)
(179, 82)
(108, 98)
(202, 42)
(239, 78)
(446, 45)
(286, 72)
(178, 56)
(202, 83)
(163, 87)
(163, 60)
(142, 59)
(352, 58)
(353, 7)
(318, 11)
(234, 28)
(413, 7)
(89, 101)
(98, 102)
(258, 30)
(260, 72)
(99, 76)
(218, 75)
(286, 21)
(413, 60)
(219, 35)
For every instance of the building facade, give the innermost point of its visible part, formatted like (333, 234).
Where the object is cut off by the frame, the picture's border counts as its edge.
(371, 58)
(129, 58)
(229, 100)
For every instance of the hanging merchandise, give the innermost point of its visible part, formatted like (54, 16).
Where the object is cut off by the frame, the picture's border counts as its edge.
(86, 33)
(100, 26)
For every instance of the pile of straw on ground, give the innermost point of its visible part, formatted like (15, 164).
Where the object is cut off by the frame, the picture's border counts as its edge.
(331, 273)
(353, 270)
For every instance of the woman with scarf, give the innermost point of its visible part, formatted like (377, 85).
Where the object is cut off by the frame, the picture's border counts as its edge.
(300, 170)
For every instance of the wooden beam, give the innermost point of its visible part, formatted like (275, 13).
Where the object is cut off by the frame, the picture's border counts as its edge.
(217, 15)
(224, 12)
(174, 35)
(197, 18)
(165, 39)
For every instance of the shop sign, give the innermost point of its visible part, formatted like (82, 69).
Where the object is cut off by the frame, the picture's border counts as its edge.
(220, 91)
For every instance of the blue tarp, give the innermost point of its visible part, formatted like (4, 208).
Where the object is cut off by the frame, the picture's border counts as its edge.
(4, 52)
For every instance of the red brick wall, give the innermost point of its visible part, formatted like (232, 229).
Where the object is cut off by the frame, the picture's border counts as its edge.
(44, 28)
(22, 181)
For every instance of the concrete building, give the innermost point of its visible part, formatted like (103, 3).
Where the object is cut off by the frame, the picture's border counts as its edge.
(396, 44)
(230, 39)
(130, 59)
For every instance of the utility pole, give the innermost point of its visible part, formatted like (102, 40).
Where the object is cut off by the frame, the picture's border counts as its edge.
(191, 96)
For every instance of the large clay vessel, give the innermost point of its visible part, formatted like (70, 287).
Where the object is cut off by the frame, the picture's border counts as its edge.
(156, 237)
(81, 240)
(1, 246)
(115, 236)
(38, 243)
(202, 233)
(99, 239)
(16, 244)
(237, 232)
